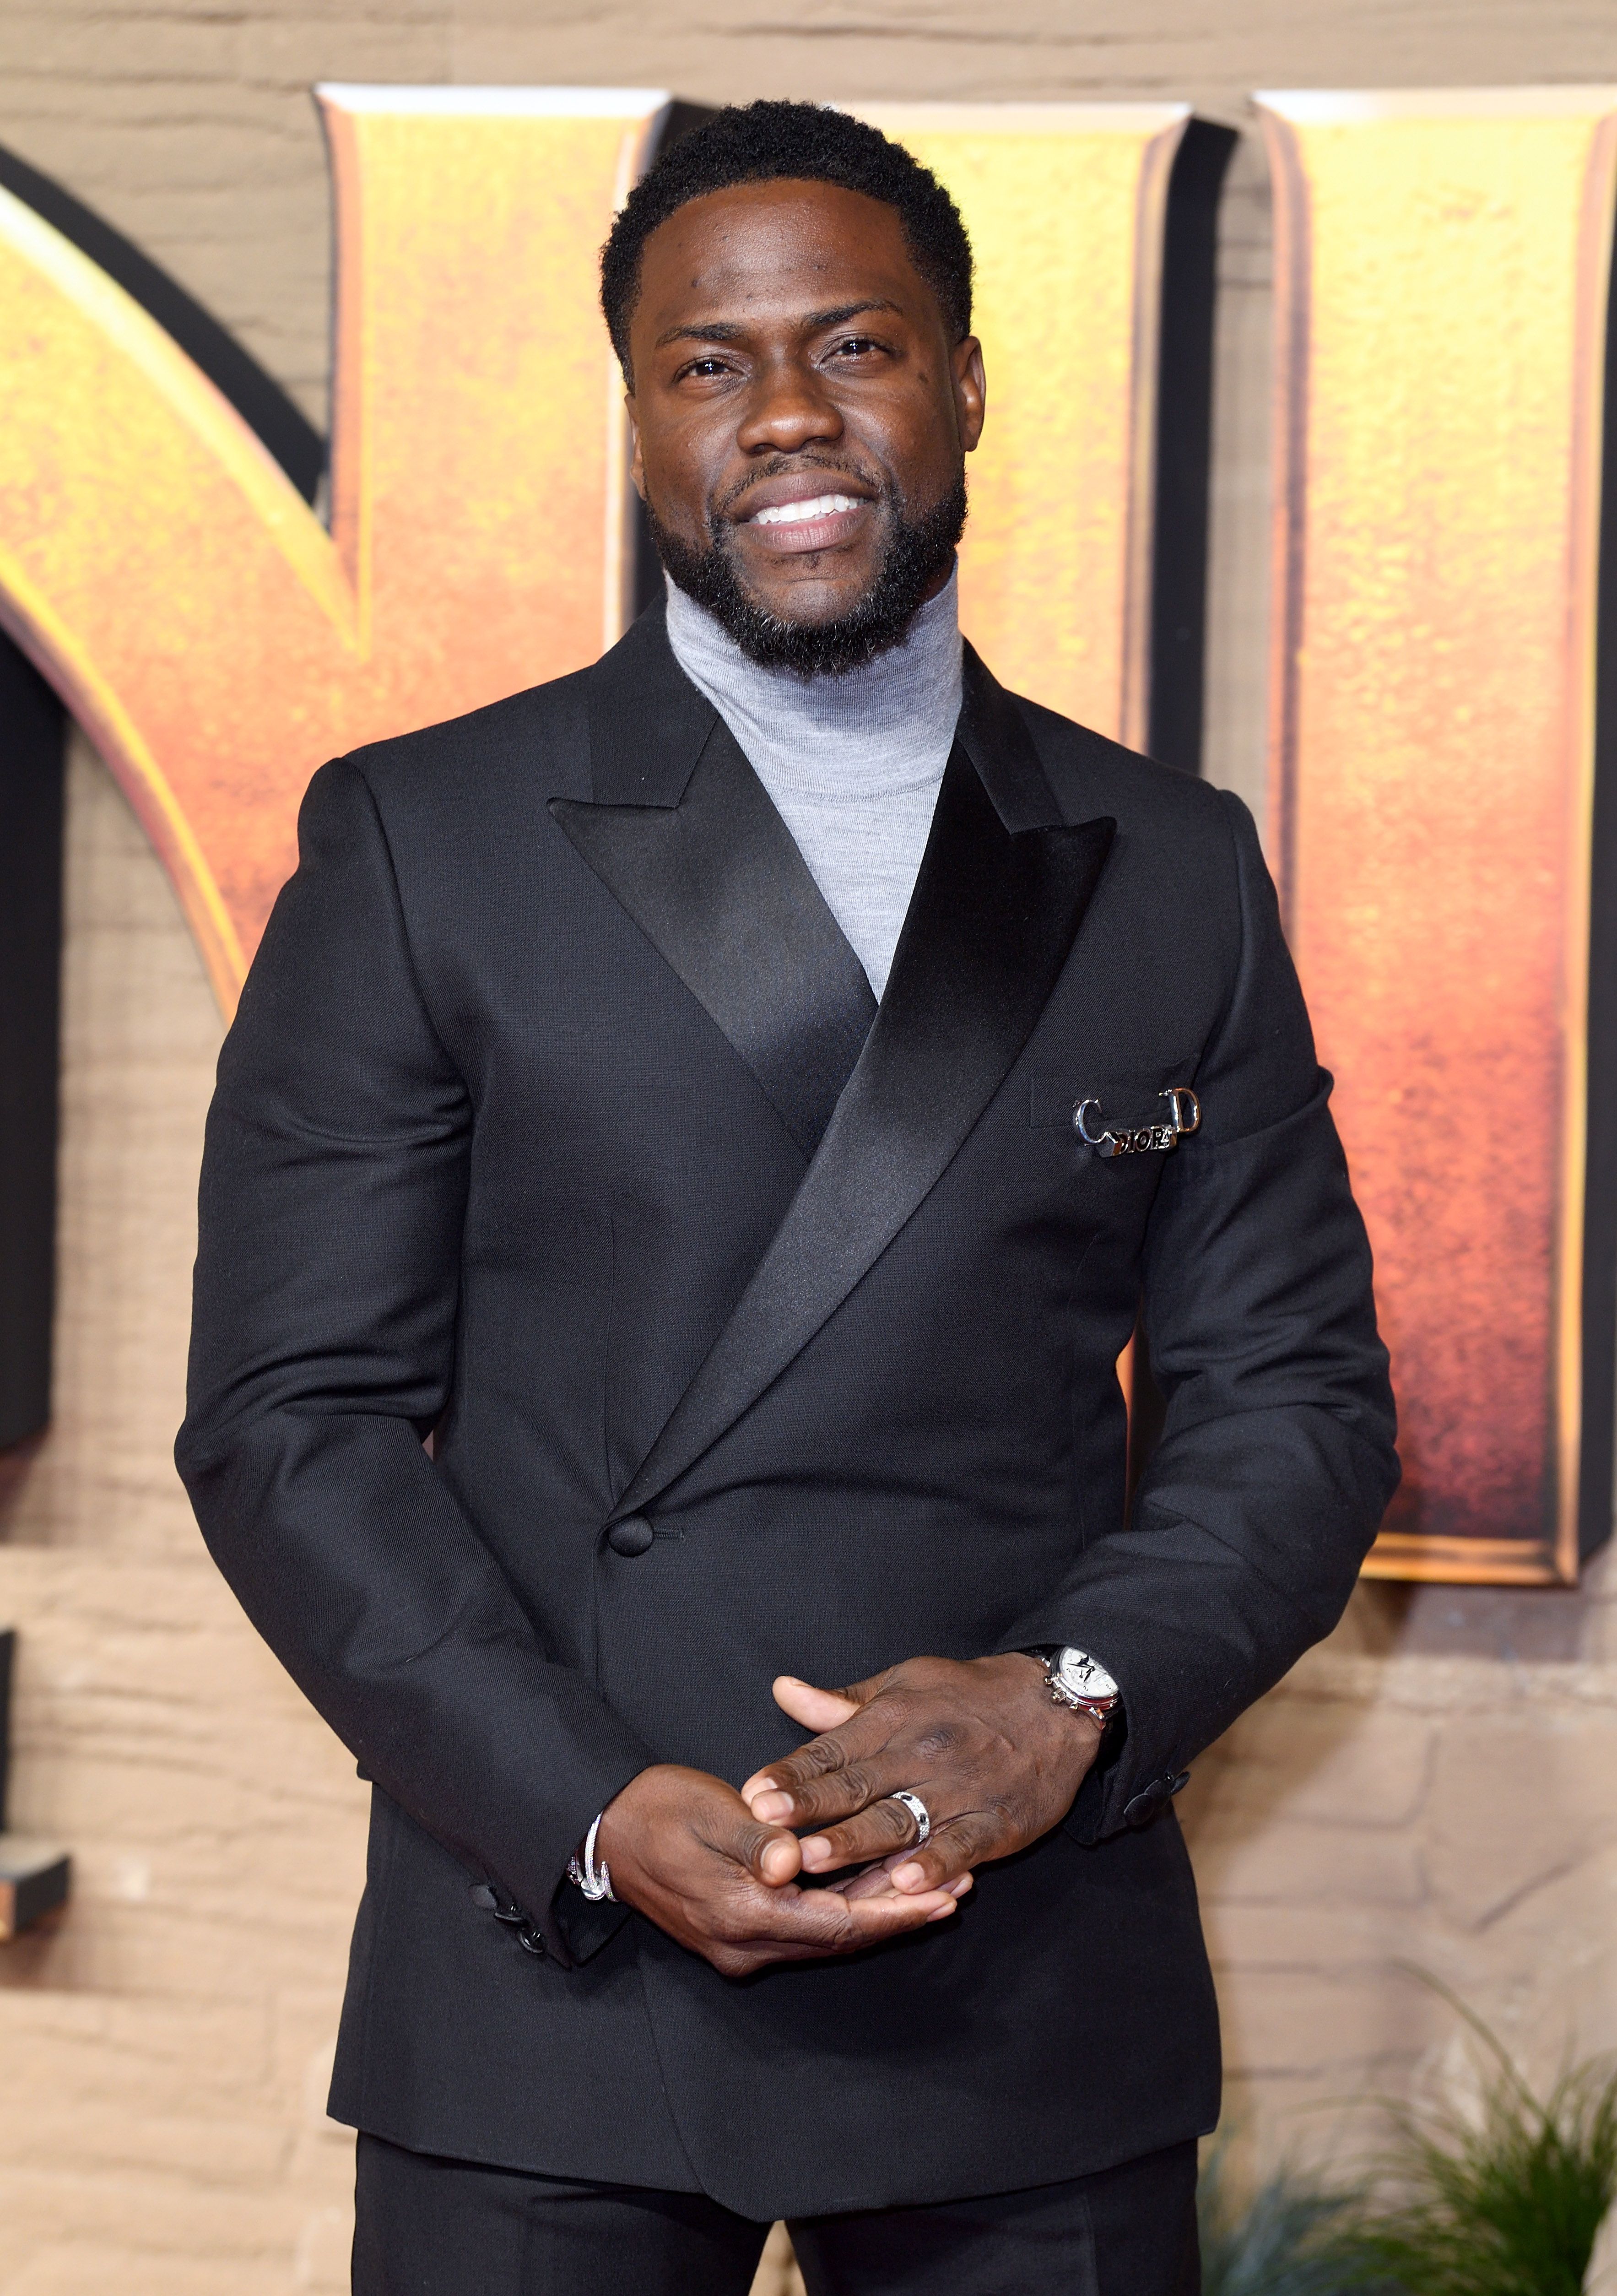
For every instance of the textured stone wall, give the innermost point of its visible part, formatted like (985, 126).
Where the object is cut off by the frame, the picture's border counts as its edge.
(1435, 1786)
(164, 2056)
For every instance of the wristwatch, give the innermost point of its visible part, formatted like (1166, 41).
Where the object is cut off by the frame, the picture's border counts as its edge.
(1076, 1680)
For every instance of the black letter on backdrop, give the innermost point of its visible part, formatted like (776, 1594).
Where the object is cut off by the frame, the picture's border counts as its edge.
(1184, 444)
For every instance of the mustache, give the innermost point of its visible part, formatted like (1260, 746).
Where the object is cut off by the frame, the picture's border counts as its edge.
(721, 510)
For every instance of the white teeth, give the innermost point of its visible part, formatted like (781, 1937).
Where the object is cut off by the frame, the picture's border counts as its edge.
(795, 514)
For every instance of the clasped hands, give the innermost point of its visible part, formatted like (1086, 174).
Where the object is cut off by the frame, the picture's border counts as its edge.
(995, 1759)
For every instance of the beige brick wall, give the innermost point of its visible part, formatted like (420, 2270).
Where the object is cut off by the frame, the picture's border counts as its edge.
(1436, 1785)
(164, 2053)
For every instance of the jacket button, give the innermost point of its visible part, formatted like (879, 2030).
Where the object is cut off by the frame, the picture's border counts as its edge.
(631, 1537)
(1141, 1810)
(1182, 1781)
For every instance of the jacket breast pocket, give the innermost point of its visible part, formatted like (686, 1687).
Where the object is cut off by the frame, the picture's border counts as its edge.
(1110, 1111)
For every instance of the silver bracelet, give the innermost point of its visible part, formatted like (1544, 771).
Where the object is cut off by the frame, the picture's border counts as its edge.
(595, 1881)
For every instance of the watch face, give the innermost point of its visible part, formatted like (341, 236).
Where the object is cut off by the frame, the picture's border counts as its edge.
(1083, 1676)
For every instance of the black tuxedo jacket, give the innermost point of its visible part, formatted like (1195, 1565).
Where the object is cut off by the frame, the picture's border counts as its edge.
(759, 1332)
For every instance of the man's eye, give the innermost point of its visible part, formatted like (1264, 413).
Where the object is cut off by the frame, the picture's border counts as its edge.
(705, 367)
(855, 346)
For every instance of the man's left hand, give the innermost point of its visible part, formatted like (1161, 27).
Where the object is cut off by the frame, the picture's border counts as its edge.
(980, 1741)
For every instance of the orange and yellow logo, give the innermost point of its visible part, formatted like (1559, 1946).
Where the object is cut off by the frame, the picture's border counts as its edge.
(1441, 303)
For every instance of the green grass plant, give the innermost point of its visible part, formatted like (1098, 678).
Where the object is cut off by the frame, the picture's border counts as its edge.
(1506, 2202)
(1294, 2235)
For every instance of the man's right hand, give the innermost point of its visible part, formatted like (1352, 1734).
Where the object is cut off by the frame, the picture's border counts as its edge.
(683, 1850)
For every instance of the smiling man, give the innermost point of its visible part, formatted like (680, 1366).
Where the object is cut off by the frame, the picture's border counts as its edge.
(736, 1101)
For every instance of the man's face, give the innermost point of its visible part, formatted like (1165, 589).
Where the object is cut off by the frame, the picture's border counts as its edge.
(800, 418)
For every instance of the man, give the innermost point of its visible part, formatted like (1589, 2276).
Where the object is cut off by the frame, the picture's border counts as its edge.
(734, 1101)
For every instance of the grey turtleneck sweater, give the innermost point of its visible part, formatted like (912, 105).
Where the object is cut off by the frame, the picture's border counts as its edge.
(852, 764)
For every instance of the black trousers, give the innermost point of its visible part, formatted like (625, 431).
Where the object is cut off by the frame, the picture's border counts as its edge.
(426, 2227)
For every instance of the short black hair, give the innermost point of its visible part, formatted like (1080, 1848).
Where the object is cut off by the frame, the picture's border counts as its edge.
(767, 143)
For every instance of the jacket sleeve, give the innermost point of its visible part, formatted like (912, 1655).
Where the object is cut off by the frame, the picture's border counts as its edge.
(333, 1188)
(1276, 1461)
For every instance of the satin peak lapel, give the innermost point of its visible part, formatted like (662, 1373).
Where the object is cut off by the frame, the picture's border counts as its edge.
(1002, 892)
(710, 874)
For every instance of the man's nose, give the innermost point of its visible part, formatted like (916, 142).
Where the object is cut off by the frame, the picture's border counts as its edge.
(790, 408)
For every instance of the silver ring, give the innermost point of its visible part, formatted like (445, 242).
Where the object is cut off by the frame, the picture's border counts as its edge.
(919, 1810)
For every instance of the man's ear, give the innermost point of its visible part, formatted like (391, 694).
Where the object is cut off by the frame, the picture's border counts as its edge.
(971, 391)
(636, 466)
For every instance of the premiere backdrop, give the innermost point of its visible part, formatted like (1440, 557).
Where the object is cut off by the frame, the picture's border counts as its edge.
(1400, 674)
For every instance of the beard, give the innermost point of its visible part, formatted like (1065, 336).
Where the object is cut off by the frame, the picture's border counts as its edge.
(919, 549)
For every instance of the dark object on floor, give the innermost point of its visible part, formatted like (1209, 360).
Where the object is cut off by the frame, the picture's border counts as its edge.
(35, 1877)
